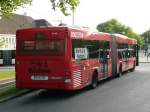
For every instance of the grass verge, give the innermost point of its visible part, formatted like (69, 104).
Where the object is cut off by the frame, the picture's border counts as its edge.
(5, 92)
(10, 92)
(7, 74)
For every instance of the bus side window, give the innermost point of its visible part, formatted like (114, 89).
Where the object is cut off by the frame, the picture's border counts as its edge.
(77, 44)
(134, 52)
(106, 48)
(119, 54)
(101, 54)
(13, 53)
(1, 54)
(123, 54)
(126, 53)
(93, 48)
(123, 51)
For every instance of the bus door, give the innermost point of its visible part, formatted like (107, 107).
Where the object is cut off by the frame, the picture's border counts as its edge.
(124, 60)
(136, 54)
(7, 57)
(93, 56)
(104, 58)
(81, 61)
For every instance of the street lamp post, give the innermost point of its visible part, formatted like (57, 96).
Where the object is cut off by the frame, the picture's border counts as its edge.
(73, 11)
(147, 39)
(0, 14)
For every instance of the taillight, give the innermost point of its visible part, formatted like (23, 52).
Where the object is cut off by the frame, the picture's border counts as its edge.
(67, 78)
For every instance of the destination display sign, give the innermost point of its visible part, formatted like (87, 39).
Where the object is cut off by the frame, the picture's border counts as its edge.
(81, 53)
(76, 34)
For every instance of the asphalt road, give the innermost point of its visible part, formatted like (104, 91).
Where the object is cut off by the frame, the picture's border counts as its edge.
(130, 93)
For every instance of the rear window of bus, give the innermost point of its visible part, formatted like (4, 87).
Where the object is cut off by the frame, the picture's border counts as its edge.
(43, 46)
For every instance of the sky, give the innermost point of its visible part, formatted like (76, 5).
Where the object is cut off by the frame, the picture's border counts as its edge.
(90, 13)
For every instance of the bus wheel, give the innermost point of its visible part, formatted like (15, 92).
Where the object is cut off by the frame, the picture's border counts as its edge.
(94, 81)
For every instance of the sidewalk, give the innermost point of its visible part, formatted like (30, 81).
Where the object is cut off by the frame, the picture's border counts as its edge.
(143, 58)
(7, 68)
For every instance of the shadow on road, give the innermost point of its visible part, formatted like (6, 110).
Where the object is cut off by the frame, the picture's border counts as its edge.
(50, 96)
(57, 94)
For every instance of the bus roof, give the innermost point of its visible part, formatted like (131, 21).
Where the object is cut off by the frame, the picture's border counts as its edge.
(77, 33)
(124, 39)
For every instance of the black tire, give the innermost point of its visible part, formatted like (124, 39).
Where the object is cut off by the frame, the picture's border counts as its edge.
(94, 81)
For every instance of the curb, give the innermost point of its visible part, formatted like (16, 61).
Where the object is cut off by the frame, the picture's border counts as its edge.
(15, 95)
(6, 84)
(7, 79)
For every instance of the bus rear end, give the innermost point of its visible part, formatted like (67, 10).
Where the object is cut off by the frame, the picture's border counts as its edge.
(42, 60)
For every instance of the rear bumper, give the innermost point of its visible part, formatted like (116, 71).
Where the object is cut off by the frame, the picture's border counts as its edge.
(41, 85)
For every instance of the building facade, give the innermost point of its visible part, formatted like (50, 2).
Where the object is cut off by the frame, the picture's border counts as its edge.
(8, 27)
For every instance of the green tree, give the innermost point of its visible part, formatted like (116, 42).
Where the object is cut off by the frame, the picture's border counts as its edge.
(146, 38)
(114, 26)
(111, 26)
(7, 7)
(65, 5)
(2, 42)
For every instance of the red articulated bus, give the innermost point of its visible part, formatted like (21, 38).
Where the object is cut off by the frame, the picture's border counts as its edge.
(67, 58)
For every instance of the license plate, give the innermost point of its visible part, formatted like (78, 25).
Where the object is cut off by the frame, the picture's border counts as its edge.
(39, 77)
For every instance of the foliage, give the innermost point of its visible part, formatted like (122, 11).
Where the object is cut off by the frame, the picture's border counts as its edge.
(111, 26)
(7, 74)
(8, 92)
(2, 42)
(146, 35)
(64, 5)
(7, 7)
(146, 38)
(114, 26)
